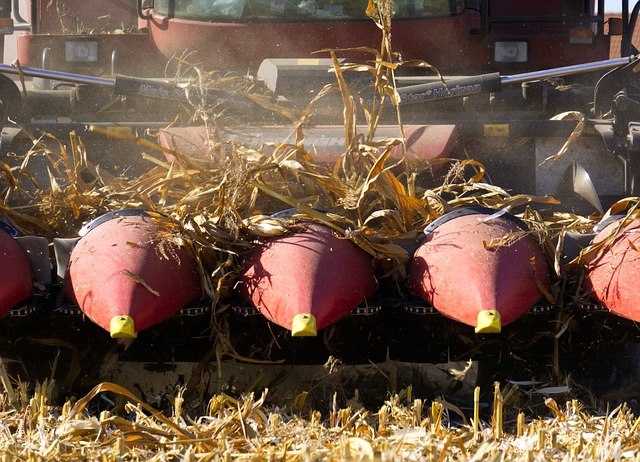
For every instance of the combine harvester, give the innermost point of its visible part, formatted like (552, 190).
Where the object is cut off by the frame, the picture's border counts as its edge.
(507, 69)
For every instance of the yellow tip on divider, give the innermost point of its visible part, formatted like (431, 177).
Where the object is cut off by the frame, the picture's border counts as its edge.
(488, 322)
(122, 327)
(304, 325)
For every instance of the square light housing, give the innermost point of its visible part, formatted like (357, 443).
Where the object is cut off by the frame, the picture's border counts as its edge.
(511, 51)
(81, 51)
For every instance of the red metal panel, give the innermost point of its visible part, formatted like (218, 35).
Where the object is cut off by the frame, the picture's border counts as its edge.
(124, 268)
(308, 272)
(244, 45)
(15, 274)
(325, 143)
(129, 49)
(451, 43)
(612, 277)
(447, 43)
(454, 271)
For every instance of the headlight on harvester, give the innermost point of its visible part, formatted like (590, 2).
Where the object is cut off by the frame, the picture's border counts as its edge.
(511, 52)
(81, 51)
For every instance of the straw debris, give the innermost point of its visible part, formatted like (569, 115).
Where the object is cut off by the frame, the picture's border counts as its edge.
(246, 429)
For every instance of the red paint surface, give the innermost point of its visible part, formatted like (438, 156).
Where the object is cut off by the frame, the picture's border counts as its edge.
(15, 274)
(448, 43)
(455, 273)
(612, 276)
(325, 143)
(309, 272)
(453, 44)
(97, 281)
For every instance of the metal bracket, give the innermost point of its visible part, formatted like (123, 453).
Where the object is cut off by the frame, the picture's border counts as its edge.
(607, 131)
(610, 84)
(634, 136)
(7, 135)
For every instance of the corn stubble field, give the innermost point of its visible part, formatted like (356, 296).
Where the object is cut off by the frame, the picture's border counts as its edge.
(404, 428)
(215, 204)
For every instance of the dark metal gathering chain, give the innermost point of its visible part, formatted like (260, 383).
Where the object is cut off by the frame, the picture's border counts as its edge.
(193, 311)
(244, 310)
(22, 311)
(420, 310)
(366, 310)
